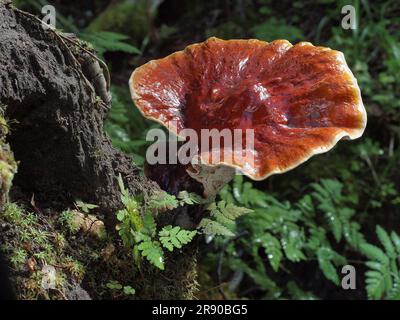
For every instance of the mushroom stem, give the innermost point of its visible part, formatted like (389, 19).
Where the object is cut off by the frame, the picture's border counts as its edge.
(213, 178)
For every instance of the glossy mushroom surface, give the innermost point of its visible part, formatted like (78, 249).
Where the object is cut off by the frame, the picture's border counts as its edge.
(299, 100)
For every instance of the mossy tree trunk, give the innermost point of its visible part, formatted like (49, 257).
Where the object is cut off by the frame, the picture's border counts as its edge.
(55, 120)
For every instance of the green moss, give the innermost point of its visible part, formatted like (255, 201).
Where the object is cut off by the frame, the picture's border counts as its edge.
(8, 166)
(34, 243)
(66, 220)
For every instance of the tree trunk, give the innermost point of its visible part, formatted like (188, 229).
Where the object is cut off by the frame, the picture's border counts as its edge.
(55, 120)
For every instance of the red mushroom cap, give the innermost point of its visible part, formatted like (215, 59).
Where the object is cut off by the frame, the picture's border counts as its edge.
(300, 100)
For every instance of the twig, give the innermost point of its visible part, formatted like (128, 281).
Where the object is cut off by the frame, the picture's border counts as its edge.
(103, 64)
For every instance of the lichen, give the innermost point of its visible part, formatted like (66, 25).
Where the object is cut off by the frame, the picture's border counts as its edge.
(8, 166)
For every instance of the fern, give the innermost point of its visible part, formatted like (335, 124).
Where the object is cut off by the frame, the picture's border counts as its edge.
(224, 216)
(273, 250)
(175, 237)
(187, 198)
(327, 258)
(149, 225)
(214, 228)
(382, 278)
(386, 241)
(153, 252)
(374, 253)
(138, 228)
(396, 241)
(130, 216)
(162, 201)
(105, 41)
(294, 232)
(85, 207)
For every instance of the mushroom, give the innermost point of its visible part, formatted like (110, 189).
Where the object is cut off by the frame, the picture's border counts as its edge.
(299, 101)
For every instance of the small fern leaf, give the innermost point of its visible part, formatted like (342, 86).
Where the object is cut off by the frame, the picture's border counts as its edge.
(153, 253)
(175, 237)
(149, 225)
(272, 248)
(394, 293)
(384, 238)
(105, 41)
(233, 212)
(226, 214)
(189, 198)
(396, 241)
(326, 256)
(374, 253)
(375, 284)
(162, 201)
(211, 227)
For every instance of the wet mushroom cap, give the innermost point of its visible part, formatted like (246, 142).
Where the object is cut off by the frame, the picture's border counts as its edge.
(299, 100)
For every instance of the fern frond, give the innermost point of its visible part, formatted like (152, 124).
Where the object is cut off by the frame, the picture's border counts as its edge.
(396, 241)
(394, 293)
(326, 260)
(374, 253)
(105, 41)
(375, 284)
(153, 253)
(224, 216)
(149, 225)
(292, 243)
(384, 238)
(162, 201)
(211, 227)
(272, 248)
(227, 212)
(175, 237)
(189, 198)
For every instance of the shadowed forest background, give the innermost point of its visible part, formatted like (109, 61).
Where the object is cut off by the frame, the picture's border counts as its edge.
(338, 208)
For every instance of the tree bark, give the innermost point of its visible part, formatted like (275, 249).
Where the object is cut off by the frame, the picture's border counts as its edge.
(55, 120)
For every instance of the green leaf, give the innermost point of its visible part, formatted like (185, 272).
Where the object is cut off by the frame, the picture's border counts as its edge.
(326, 256)
(162, 201)
(273, 250)
(121, 184)
(114, 285)
(85, 207)
(153, 253)
(384, 238)
(149, 225)
(211, 227)
(105, 41)
(129, 291)
(175, 237)
(292, 243)
(396, 241)
(374, 253)
(121, 215)
(375, 284)
(189, 198)
(224, 216)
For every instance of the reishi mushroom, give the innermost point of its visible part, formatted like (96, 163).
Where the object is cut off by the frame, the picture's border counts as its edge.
(300, 101)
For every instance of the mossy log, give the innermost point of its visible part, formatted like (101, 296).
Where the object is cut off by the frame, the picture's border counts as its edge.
(55, 130)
